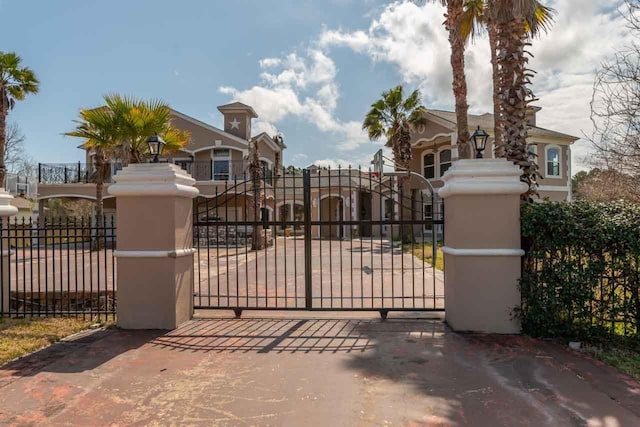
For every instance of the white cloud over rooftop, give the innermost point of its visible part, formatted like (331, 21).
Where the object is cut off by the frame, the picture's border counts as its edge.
(412, 40)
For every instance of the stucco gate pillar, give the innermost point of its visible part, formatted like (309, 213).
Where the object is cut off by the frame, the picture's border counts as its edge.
(154, 245)
(6, 210)
(482, 245)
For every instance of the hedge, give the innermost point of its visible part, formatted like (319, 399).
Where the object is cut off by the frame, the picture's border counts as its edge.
(581, 270)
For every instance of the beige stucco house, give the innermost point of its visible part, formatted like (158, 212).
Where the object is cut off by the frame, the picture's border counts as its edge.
(218, 160)
(215, 157)
(434, 151)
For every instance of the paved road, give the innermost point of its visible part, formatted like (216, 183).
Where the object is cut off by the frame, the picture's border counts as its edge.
(345, 274)
(61, 270)
(313, 372)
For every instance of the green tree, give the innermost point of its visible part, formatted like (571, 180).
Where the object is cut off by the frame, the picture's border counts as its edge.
(16, 82)
(99, 129)
(137, 120)
(394, 117)
(120, 129)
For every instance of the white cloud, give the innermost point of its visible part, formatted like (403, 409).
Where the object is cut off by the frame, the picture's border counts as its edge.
(413, 40)
(304, 86)
(299, 157)
(260, 126)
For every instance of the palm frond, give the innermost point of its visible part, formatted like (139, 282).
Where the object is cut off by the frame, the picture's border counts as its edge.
(393, 117)
(473, 19)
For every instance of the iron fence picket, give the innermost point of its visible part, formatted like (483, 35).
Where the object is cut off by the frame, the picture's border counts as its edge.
(325, 226)
(44, 270)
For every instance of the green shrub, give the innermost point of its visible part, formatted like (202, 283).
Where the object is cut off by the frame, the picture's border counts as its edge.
(581, 270)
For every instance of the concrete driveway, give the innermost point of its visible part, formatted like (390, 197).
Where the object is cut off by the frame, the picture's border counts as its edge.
(344, 274)
(306, 371)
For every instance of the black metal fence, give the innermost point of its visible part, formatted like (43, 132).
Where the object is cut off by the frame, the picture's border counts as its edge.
(342, 239)
(71, 173)
(220, 170)
(57, 267)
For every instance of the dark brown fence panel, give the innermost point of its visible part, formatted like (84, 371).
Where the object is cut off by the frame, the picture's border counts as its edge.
(319, 239)
(57, 267)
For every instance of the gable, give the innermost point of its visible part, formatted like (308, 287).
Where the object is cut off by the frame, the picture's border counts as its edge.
(429, 131)
(204, 136)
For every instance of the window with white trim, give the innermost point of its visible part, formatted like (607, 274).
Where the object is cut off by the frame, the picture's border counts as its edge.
(533, 152)
(221, 164)
(429, 169)
(445, 161)
(427, 215)
(553, 161)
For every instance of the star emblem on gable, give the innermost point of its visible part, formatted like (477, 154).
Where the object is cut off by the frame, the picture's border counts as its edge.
(235, 123)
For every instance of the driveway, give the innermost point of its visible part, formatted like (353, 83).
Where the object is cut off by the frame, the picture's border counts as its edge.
(356, 273)
(304, 371)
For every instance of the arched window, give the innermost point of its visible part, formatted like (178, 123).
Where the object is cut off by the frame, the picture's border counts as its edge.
(553, 161)
(445, 161)
(429, 168)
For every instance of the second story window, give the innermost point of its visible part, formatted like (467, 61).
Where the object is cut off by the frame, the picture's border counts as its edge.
(429, 166)
(533, 152)
(445, 161)
(553, 162)
(221, 164)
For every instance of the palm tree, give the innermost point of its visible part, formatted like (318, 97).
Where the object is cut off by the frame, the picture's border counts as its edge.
(15, 83)
(99, 128)
(476, 16)
(394, 117)
(123, 124)
(138, 120)
(515, 22)
(257, 174)
(454, 24)
(453, 19)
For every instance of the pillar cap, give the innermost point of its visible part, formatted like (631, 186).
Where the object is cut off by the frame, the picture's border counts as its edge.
(482, 176)
(153, 179)
(6, 208)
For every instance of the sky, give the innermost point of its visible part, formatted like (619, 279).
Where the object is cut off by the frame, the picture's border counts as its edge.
(311, 69)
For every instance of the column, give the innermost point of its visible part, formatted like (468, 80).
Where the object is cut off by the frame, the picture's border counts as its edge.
(154, 218)
(482, 245)
(6, 211)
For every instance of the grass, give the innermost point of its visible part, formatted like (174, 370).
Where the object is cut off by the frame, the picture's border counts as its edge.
(425, 253)
(19, 337)
(625, 360)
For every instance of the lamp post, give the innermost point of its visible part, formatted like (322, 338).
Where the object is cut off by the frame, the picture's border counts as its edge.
(479, 138)
(156, 145)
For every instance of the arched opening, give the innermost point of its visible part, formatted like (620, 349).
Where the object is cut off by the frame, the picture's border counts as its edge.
(331, 209)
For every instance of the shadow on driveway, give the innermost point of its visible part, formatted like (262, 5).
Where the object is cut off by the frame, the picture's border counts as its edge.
(311, 371)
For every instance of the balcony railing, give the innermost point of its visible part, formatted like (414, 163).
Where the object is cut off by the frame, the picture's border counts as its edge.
(205, 170)
(70, 173)
(216, 170)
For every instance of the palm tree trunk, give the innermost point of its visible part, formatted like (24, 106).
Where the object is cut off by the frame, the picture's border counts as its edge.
(3, 133)
(256, 241)
(454, 13)
(498, 140)
(515, 97)
(100, 164)
(255, 170)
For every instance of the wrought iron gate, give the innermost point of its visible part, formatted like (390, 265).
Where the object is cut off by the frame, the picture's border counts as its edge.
(318, 239)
